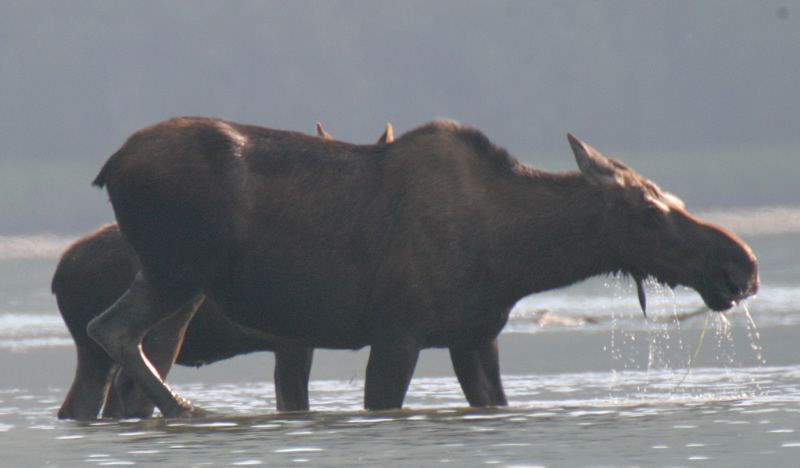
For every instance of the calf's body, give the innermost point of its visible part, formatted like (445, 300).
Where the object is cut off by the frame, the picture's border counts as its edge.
(91, 275)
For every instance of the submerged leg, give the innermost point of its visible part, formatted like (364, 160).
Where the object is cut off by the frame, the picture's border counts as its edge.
(389, 369)
(292, 369)
(478, 372)
(121, 329)
(161, 346)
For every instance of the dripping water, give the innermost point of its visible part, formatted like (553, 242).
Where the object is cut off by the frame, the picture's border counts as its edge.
(753, 335)
(670, 339)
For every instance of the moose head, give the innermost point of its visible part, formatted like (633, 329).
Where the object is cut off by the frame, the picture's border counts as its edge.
(656, 236)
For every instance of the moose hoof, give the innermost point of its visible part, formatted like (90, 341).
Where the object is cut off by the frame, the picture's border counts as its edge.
(197, 412)
(185, 409)
(188, 413)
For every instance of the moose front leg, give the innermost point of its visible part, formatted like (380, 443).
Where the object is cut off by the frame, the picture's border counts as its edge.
(292, 370)
(389, 369)
(120, 330)
(478, 372)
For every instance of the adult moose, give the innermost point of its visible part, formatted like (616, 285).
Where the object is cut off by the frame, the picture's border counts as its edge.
(427, 242)
(95, 271)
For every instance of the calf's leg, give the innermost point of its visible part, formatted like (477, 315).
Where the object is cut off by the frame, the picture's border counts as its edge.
(113, 409)
(121, 329)
(292, 370)
(389, 369)
(478, 372)
(93, 376)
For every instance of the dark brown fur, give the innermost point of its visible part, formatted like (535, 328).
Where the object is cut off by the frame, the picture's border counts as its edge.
(97, 270)
(427, 242)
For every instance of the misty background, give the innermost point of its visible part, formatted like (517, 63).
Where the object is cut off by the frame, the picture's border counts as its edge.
(702, 97)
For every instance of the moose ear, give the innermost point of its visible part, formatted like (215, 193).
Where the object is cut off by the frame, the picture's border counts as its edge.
(596, 167)
(322, 133)
(388, 135)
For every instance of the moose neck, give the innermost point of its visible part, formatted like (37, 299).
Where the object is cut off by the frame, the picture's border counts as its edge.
(553, 234)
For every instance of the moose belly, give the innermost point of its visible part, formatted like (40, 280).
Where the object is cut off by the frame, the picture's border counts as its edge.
(317, 317)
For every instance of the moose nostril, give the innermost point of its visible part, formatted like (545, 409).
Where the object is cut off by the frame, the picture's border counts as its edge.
(741, 280)
(733, 288)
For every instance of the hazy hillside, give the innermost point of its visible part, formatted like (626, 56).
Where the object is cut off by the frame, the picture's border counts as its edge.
(676, 85)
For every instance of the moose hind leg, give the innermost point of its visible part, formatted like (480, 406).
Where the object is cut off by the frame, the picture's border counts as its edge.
(121, 329)
(389, 369)
(161, 346)
(478, 372)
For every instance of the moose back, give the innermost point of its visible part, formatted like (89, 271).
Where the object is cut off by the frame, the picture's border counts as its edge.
(97, 270)
(425, 242)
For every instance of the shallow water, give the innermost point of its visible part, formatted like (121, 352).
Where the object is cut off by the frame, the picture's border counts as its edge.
(739, 418)
(591, 382)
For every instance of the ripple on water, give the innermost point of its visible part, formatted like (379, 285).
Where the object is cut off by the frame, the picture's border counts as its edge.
(630, 405)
